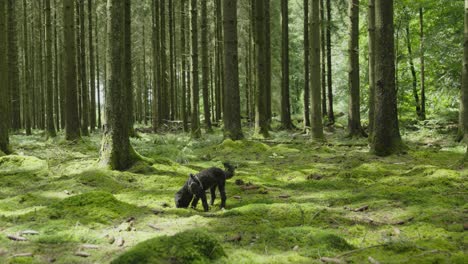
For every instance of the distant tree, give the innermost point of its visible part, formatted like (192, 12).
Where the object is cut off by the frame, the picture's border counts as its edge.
(27, 74)
(92, 69)
(4, 117)
(49, 72)
(196, 132)
(413, 70)
(463, 119)
(13, 67)
(183, 43)
(354, 114)
(72, 127)
(261, 114)
(205, 65)
(331, 114)
(232, 119)
(83, 75)
(315, 84)
(422, 58)
(306, 65)
(386, 139)
(286, 122)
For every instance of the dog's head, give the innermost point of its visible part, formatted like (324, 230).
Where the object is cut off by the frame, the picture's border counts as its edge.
(194, 185)
(229, 170)
(183, 198)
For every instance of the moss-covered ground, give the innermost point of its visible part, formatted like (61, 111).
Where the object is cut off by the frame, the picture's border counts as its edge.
(298, 202)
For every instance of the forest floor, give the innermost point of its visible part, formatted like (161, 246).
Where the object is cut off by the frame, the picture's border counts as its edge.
(294, 202)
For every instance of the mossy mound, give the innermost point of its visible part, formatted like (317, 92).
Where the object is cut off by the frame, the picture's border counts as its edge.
(100, 207)
(193, 246)
(105, 180)
(22, 165)
(310, 240)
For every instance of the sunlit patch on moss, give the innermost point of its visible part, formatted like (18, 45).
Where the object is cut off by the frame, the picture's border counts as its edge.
(22, 166)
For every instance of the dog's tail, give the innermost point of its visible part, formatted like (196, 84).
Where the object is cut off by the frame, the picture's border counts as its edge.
(229, 172)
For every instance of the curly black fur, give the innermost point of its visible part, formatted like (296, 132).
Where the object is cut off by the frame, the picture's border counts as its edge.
(195, 187)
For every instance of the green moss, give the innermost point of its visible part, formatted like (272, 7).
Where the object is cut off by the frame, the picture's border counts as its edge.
(105, 180)
(100, 207)
(22, 166)
(192, 246)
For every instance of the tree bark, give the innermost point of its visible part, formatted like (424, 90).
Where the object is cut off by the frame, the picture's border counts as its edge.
(371, 39)
(27, 74)
(423, 73)
(267, 57)
(413, 71)
(205, 65)
(354, 114)
(323, 58)
(92, 68)
(463, 119)
(331, 114)
(306, 65)
(4, 116)
(261, 111)
(72, 126)
(183, 43)
(232, 119)
(116, 151)
(387, 139)
(286, 122)
(196, 132)
(315, 84)
(84, 78)
(50, 128)
(13, 67)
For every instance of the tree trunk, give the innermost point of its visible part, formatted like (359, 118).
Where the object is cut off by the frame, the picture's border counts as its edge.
(267, 58)
(423, 78)
(57, 70)
(354, 114)
(386, 140)
(331, 114)
(127, 67)
(371, 39)
(286, 122)
(232, 118)
(261, 111)
(83, 78)
(463, 120)
(306, 65)
(183, 43)
(315, 84)
(323, 45)
(116, 151)
(413, 71)
(50, 128)
(27, 74)
(205, 65)
(13, 68)
(165, 100)
(196, 132)
(156, 66)
(92, 68)
(72, 127)
(98, 72)
(219, 59)
(172, 66)
(4, 116)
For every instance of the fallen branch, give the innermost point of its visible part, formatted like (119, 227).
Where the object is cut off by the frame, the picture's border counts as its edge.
(17, 238)
(82, 254)
(89, 246)
(154, 227)
(29, 232)
(28, 254)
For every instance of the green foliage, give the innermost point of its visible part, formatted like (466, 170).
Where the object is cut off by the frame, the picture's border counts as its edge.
(189, 247)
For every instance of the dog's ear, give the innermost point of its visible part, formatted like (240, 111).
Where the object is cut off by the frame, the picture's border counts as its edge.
(192, 176)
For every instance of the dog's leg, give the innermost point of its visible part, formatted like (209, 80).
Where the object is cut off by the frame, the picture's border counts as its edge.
(195, 202)
(222, 192)
(204, 202)
(213, 194)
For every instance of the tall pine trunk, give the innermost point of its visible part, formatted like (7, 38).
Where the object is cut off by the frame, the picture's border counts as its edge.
(306, 65)
(286, 122)
(413, 71)
(331, 114)
(27, 74)
(196, 132)
(92, 69)
(72, 126)
(423, 73)
(4, 117)
(323, 48)
(50, 127)
(387, 139)
(205, 65)
(463, 119)
(232, 118)
(315, 72)
(13, 67)
(183, 43)
(371, 39)
(354, 113)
